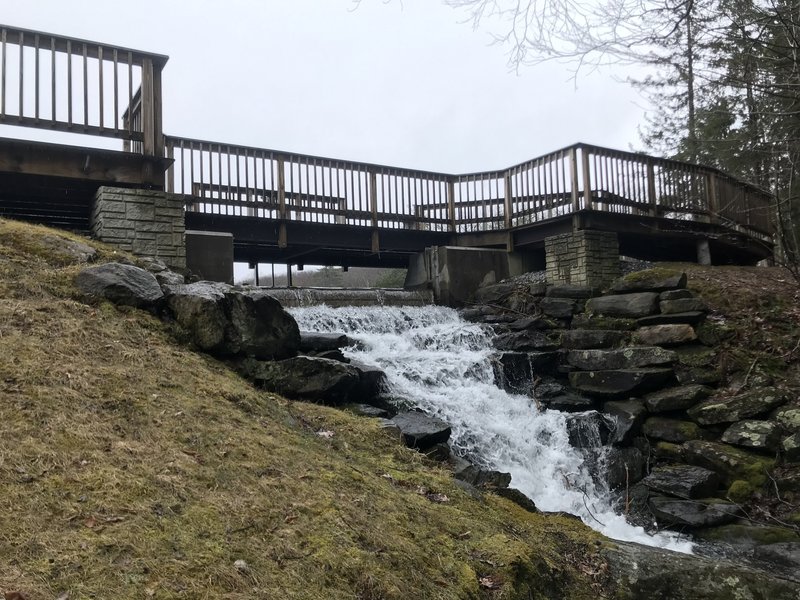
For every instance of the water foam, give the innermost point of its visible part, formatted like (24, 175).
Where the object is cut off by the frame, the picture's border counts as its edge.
(441, 364)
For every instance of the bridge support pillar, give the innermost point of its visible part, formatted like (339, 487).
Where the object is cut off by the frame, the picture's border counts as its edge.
(583, 257)
(144, 222)
(703, 252)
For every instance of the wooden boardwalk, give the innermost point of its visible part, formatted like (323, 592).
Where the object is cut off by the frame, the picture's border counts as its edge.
(288, 207)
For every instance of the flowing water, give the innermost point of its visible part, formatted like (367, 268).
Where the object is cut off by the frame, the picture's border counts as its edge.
(441, 364)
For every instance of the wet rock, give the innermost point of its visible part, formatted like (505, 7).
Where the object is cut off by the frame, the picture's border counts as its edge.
(121, 284)
(482, 478)
(654, 280)
(522, 341)
(728, 462)
(683, 481)
(668, 451)
(676, 398)
(664, 335)
(691, 513)
(683, 305)
(517, 370)
(623, 467)
(628, 415)
(759, 435)
(371, 383)
(576, 292)
(305, 378)
(626, 305)
(686, 318)
(743, 406)
(517, 498)
(495, 319)
(786, 554)
(558, 308)
(367, 410)
(322, 342)
(473, 315)
(623, 358)
(749, 535)
(568, 402)
(530, 323)
(672, 430)
(611, 384)
(644, 572)
(589, 429)
(225, 321)
(421, 431)
(587, 339)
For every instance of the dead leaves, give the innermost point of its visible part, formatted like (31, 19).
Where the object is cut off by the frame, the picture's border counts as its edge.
(490, 582)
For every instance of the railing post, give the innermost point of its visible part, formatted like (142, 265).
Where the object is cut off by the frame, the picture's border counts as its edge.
(451, 203)
(651, 188)
(373, 205)
(712, 201)
(508, 204)
(153, 137)
(587, 180)
(170, 174)
(573, 174)
(282, 236)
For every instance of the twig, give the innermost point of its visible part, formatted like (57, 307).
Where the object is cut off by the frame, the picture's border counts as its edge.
(747, 376)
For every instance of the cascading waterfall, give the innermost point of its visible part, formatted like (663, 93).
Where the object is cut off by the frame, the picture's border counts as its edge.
(441, 364)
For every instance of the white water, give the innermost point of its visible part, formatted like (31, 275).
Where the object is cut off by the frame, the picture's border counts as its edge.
(440, 364)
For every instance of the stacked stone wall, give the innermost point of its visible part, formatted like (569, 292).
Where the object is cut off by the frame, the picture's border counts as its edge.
(587, 258)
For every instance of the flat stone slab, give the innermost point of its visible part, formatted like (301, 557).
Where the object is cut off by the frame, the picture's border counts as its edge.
(306, 378)
(629, 415)
(737, 408)
(672, 430)
(665, 335)
(676, 294)
(786, 554)
(588, 339)
(558, 308)
(691, 513)
(633, 357)
(576, 292)
(625, 305)
(689, 318)
(682, 305)
(726, 461)
(683, 481)
(654, 280)
(677, 398)
(523, 341)
(421, 431)
(761, 435)
(322, 342)
(612, 384)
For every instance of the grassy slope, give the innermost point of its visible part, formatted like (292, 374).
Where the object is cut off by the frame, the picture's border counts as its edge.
(133, 467)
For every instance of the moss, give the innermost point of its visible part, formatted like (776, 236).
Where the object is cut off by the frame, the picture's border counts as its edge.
(583, 321)
(737, 533)
(654, 275)
(668, 451)
(695, 356)
(740, 491)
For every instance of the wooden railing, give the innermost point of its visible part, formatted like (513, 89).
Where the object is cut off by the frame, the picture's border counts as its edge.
(70, 85)
(245, 181)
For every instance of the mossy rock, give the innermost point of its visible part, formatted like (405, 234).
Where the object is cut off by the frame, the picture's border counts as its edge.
(668, 451)
(728, 462)
(713, 334)
(659, 279)
(741, 491)
(695, 356)
(584, 321)
(748, 534)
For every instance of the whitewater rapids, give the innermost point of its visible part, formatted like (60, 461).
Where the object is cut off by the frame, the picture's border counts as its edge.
(439, 363)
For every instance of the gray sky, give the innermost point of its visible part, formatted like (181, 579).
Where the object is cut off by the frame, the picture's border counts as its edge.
(404, 83)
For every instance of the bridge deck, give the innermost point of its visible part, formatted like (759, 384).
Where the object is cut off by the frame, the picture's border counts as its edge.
(290, 207)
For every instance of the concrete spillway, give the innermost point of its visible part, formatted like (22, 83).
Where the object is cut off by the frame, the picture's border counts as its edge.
(337, 297)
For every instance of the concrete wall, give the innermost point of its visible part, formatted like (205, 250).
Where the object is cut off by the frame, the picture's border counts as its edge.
(454, 274)
(209, 255)
(144, 222)
(585, 257)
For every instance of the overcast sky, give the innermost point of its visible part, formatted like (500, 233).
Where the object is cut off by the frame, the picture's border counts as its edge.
(400, 83)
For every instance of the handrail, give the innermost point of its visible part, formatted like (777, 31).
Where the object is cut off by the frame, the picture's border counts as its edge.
(72, 85)
(245, 180)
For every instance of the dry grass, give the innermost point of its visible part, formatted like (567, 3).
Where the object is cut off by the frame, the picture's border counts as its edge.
(132, 467)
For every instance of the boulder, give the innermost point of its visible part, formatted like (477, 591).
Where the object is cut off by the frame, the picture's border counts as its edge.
(65, 250)
(167, 278)
(760, 435)
(623, 358)
(630, 306)
(686, 318)
(786, 554)
(587, 339)
(682, 305)
(305, 378)
(683, 481)
(664, 335)
(636, 571)
(371, 383)
(628, 416)
(367, 410)
(613, 384)
(676, 398)
(517, 497)
(558, 308)
(589, 429)
(482, 478)
(576, 292)
(729, 463)
(494, 294)
(421, 431)
(226, 321)
(691, 513)
(322, 342)
(749, 535)
(672, 430)
(523, 341)
(789, 418)
(790, 446)
(623, 467)
(121, 284)
(653, 280)
(743, 406)
(676, 294)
